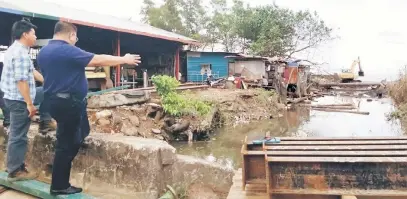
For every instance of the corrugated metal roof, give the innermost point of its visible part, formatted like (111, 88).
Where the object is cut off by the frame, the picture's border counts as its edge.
(244, 56)
(41, 9)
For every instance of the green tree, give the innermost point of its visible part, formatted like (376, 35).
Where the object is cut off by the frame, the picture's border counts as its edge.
(222, 25)
(186, 17)
(271, 30)
(166, 17)
(264, 30)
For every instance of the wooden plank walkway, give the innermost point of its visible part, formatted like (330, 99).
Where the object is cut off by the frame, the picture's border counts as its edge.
(36, 189)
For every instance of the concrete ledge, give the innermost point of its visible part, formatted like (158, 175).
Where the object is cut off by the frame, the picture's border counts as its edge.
(136, 167)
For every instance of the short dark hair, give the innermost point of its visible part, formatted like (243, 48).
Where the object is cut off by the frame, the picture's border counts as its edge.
(21, 27)
(64, 27)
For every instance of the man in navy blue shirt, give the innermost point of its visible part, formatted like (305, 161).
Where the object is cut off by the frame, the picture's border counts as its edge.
(65, 86)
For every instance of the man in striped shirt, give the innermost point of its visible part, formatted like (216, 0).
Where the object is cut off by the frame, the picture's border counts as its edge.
(18, 85)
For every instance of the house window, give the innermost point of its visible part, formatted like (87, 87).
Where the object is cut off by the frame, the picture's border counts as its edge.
(206, 68)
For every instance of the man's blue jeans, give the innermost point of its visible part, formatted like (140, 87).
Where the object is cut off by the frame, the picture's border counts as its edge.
(19, 126)
(4, 109)
(39, 97)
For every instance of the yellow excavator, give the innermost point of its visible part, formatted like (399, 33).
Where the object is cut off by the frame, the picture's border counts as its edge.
(348, 75)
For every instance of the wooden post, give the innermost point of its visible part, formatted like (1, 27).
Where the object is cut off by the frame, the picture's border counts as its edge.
(117, 82)
(176, 64)
(244, 150)
(299, 83)
(268, 175)
(283, 92)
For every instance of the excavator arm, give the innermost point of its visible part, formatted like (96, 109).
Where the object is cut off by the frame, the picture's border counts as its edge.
(361, 72)
(350, 75)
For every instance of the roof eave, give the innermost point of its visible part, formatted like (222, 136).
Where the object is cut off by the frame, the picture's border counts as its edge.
(79, 22)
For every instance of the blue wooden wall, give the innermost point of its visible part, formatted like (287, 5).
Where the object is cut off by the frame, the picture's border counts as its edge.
(220, 64)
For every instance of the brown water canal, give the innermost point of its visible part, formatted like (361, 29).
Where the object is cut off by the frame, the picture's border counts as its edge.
(224, 148)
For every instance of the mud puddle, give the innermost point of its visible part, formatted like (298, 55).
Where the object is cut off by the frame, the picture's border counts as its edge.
(224, 148)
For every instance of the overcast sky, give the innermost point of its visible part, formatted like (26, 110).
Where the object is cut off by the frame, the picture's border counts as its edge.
(371, 29)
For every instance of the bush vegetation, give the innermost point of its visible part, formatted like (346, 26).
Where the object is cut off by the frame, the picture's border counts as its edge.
(398, 92)
(398, 89)
(177, 104)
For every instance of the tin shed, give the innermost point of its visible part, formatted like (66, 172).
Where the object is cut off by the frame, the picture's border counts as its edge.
(201, 64)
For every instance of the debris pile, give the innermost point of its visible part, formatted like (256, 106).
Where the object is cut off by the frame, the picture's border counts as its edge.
(242, 106)
(344, 108)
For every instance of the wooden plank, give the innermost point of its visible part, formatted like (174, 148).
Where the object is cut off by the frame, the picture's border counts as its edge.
(95, 75)
(344, 142)
(339, 192)
(257, 187)
(330, 153)
(37, 189)
(268, 173)
(244, 150)
(342, 138)
(337, 148)
(337, 159)
(341, 111)
(256, 181)
(255, 168)
(348, 197)
(253, 191)
(153, 90)
(107, 90)
(359, 84)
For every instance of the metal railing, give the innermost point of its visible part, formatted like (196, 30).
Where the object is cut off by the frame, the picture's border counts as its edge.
(197, 77)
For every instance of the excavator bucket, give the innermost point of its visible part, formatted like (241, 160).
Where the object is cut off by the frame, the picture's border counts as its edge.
(361, 73)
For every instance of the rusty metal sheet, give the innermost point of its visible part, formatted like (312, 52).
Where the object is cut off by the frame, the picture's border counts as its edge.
(369, 193)
(341, 138)
(330, 153)
(255, 168)
(379, 179)
(336, 148)
(300, 159)
(344, 142)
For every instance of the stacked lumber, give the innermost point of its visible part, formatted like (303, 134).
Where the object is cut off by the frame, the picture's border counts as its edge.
(344, 108)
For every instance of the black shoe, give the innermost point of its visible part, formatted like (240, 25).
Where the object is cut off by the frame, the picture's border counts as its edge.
(69, 190)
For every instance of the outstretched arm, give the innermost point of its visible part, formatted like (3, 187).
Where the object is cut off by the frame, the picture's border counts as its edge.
(109, 60)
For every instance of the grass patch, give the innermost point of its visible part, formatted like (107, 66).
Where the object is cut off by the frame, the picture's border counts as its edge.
(398, 89)
(398, 92)
(264, 97)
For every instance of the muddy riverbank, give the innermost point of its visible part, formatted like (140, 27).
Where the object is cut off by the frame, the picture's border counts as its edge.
(142, 115)
(224, 148)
